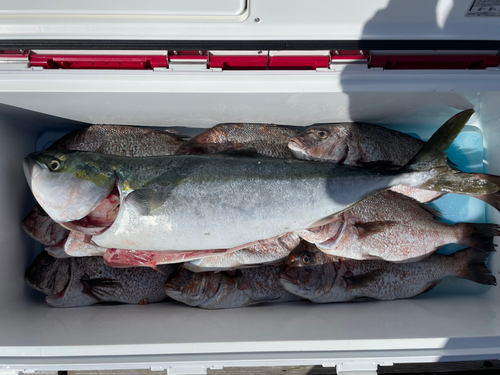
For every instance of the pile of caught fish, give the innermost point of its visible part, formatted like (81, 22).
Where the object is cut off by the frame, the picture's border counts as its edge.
(250, 213)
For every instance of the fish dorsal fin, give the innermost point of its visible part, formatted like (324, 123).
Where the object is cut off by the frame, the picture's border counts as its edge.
(144, 200)
(249, 152)
(431, 155)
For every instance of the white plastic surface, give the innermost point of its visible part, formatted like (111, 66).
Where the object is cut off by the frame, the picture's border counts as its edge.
(236, 20)
(186, 10)
(457, 319)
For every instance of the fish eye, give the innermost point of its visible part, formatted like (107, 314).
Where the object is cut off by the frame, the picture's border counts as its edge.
(42, 212)
(54, 165)
(321, 134)
(45, 261)
(307, 258)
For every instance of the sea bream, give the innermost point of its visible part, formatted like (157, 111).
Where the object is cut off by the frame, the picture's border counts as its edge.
(270, 251)
(227, 290)
(122, 140)
(193, 202)
(396, 228)
(72, 282)
(133, 141)
(368, 145)
(267, 139)
(40, 226)
(322, 278)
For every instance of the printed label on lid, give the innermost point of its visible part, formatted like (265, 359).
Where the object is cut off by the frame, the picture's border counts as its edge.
(484, 8)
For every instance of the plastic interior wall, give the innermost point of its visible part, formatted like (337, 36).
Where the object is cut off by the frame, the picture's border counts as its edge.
(456, 320)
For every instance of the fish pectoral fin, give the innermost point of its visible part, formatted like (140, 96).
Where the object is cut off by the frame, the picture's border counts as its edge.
(96, 288)
(361, 281)
(433, 211)
(144, 200)
(367, 229)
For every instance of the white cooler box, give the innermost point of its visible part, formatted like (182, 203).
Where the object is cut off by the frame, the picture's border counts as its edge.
(193, 65)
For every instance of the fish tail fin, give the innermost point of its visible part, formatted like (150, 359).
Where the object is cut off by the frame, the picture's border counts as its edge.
(478, 236)
(494, 198)
(474, 266)
(438, 176)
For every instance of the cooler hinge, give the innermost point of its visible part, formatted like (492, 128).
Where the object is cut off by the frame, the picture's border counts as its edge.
(188, 60)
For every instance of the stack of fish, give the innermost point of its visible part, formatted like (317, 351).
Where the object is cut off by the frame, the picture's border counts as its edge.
(250, 213)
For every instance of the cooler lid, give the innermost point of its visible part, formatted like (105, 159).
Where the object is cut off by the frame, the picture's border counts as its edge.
(251, 24)
(95, 10)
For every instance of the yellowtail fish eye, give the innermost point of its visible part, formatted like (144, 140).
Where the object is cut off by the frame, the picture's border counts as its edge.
(307, 258)
(321, 134)
(54, 165)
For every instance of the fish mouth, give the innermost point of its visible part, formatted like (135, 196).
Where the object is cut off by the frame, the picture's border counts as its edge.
(57, 250)
(295, 145)
(174, 287)
(289, 278)
(53, 298)
(31, 169)
(74, 225)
